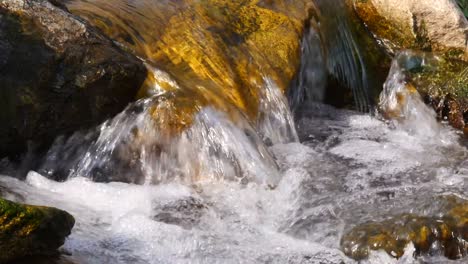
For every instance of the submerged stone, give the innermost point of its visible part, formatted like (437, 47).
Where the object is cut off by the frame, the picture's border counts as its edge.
(27, 230)
(57, 75)
(444, 234)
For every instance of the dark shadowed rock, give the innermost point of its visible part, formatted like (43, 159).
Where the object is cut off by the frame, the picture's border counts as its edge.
(31, 230)
(57, 75)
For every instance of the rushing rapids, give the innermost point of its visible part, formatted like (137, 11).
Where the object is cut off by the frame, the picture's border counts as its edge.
(198, 170)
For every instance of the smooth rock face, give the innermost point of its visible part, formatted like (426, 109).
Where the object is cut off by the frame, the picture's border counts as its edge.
(57, 75)
(428, 25)
(31, 230)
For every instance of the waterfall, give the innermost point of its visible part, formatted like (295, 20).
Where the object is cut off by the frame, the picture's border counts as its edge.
(330, 50)
(311, 81)
(134, 146)
(275, 122)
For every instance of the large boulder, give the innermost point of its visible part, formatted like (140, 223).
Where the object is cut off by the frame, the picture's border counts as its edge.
(27, 230)
(217, 49)
(57, 75)
(226, 47)
(438, 26)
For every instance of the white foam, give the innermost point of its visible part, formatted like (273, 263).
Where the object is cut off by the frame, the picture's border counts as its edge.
(382, 257)
(390, 150)
(239, 223)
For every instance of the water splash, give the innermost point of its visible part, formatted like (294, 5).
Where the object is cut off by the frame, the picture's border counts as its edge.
(358, 169)
(401, 101)
(212, 149)
(157, 83)
(140, 145)
(215, 148)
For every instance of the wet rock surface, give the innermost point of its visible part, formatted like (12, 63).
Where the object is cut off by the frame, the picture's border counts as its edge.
(31, 230)
(225, 47)
(444, 234)
(57, 75)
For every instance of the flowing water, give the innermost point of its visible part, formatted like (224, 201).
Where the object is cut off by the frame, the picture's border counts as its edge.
(349, 168)
(283, 189)
(330, 52)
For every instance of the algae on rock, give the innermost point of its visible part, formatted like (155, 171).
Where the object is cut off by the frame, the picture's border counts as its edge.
(27, 230)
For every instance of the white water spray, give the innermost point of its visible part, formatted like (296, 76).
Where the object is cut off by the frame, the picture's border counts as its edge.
(401, 101)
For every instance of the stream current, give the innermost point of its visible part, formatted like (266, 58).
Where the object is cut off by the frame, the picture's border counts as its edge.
(349, 168)
(283, 190)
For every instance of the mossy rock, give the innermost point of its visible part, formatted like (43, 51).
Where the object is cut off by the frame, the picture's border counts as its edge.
(447, 233)
(445, 87)
(443, 83)
(27, 230)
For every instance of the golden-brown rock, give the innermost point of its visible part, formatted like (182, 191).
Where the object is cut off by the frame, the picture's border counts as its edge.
(447, 233)
(224, 47)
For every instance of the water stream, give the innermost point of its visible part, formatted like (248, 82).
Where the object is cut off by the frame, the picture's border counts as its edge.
(283, 189)
(349, 168)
